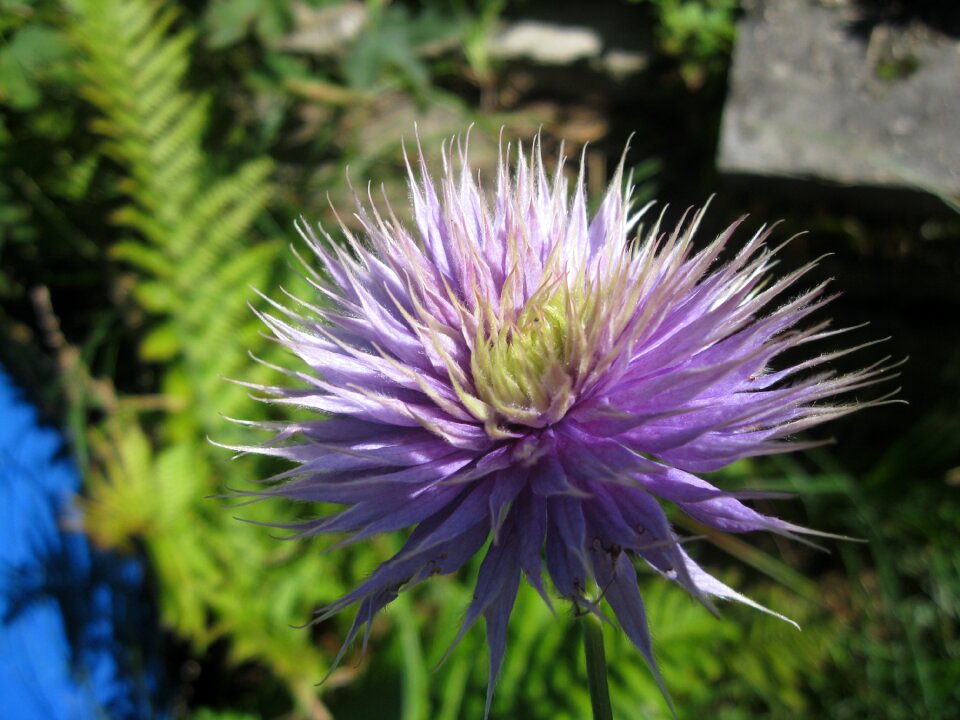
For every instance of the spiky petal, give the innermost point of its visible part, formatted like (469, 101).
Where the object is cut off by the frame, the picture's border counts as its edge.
(514, 367)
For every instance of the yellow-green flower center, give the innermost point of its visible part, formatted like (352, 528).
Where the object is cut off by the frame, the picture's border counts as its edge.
(522, 370)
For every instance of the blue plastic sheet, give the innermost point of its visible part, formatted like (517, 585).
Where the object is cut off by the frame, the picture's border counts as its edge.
(77, 634)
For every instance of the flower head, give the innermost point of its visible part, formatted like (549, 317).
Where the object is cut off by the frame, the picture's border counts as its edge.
(513, 368)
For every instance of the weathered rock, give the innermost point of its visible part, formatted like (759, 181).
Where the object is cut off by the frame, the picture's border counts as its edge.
(545, 43)
(326, 30)
(821, 91)
(621, 64)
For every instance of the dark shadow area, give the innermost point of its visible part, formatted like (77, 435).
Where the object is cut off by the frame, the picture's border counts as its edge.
(942, 16)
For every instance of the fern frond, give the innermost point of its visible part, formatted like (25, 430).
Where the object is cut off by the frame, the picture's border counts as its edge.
(191, 241)
(192, 226)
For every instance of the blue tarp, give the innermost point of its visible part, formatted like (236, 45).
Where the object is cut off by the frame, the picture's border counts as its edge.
(77, 637)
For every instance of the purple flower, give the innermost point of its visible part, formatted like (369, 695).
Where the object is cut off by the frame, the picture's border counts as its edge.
(513, 368)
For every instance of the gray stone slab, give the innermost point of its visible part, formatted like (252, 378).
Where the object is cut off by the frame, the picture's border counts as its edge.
(820, 90)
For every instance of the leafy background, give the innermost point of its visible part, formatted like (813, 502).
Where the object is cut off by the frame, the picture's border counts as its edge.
(153, 155)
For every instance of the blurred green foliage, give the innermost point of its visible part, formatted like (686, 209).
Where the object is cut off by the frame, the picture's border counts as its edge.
(152, 155)
(699, 33)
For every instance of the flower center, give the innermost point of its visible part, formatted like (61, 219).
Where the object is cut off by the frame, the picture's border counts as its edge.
(524, 369)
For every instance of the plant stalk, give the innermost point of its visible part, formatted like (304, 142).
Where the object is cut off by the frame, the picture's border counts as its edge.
(596, 667)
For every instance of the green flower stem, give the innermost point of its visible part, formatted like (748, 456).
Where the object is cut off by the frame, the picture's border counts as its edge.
(596, 667)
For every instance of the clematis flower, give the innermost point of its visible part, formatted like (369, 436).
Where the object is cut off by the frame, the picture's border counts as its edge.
(512, 370)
